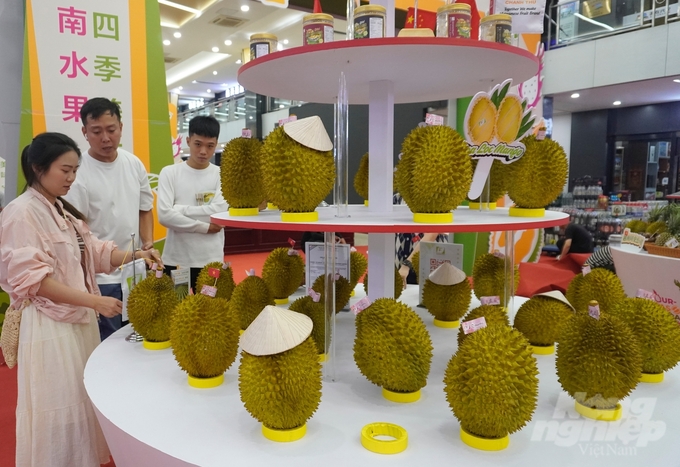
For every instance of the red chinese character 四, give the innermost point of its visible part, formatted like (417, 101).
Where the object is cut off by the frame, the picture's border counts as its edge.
(74, 63)
(72, 105)
(73, 20)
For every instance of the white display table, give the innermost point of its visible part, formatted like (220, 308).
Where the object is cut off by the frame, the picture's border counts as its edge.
(152, 417)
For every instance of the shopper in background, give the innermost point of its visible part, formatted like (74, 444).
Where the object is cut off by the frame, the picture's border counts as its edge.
(576, 240)
(188, 193)
(113, 192)
(48, 263)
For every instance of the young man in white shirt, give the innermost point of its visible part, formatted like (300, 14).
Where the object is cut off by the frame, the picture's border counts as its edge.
(188, 193)
(112, 191)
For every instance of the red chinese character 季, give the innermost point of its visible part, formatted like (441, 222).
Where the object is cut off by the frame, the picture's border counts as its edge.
(72, 105)
(72, 20)
(74, 63)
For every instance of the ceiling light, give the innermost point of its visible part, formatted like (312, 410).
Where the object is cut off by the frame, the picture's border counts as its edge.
(251, 117)
(285, 41)
(209, 91)
(575, 95)
(169, 25)
(166, 42)
(227, 42)
(194, 82)
(214, 72)
(180, 88)
(616, 102)
(215, 49)
(676, 80)
(279, 46)
(245, 8)
(177, 34)
(281, 106)
(238, 62)
(180, 7)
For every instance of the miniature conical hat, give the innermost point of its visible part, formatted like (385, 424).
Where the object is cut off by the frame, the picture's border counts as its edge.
(447, 274)
(309, 132)
(275, 330)
(557, 295)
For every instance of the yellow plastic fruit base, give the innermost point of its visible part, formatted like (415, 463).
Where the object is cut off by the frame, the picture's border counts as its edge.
(387, 446)
(401, 397)
(300, 216)
(272, 206)
(526, 212)
(156, 345)
(281, 301)
(605, 415)
(284, 436)
(244, 211)
(206, 383)
(489, 206)
(430, 218)
(366, 202)
(323, 357)
(352, 293)
(446, 324)
(484, 444)
(542, 349)
(651, 377)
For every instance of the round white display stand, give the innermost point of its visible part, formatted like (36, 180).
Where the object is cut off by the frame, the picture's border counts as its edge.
(152, 417)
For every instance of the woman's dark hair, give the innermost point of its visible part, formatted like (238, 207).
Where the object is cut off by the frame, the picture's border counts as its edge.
(37, 157)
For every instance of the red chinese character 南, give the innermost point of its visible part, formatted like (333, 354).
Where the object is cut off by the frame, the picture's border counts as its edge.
(74, 63)
(73, 20)
(72, 105)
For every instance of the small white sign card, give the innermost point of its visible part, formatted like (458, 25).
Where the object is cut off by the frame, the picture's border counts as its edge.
(432, 255)
(315, 261)
(180, 277)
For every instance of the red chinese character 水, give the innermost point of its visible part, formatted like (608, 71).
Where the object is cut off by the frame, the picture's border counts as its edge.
(74, 63)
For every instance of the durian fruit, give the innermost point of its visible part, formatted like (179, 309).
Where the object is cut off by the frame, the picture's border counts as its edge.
(415, 261)
(540, 319)
(656, 227)
(361, 178)
(205, 335)
(398, 284)
(539, 175)
(491, 384)
(358, 264)
(488, 277)
(656, 331)
(225, 282)
(250, 296)
(316, 312)
(343, 290)
(280, 375)
(447, 295)
(435, 172)
(600, 285)
(150, 306)
(498, 178)
(637, 226)
(241, 173)
(297, 178)
(392, 347)
(283, 273)
(598, 360)
(493, 315)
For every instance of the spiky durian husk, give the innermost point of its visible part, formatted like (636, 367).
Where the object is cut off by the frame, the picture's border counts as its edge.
(283, 390)
(598, 360)
(540, 319)
(491, 382)
(250, 297)
(539, 175)
(204, 335)
(358, 264)
(662, 238)
(656, 331)
(283, 273)
(415, 261)
(398, 284)
(493, 314)
(498, 177)
(361, 178)
(150, 306)
(435, 171)
(241, 173)
(296, 178)
(392, 347)
(488, 276)
(600, 285)
(225, 283)
(447, 302)
(315, 310)
(343, 290)
(637, 226)
(656, 228)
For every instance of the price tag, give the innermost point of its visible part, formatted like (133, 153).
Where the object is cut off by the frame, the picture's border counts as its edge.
(250, 272)
(594, 311)
(642, 293)
(672, 243)
(214, 272)
(434, 120)
(474, 325)
(209, 290)
(246, 133)
(585, 270)
(540, 136)
(283, 121)
(159, 273)
(226, 265)
(498, 254)
(314, 294)
(361, 305)
(292, 252)
(494, 300)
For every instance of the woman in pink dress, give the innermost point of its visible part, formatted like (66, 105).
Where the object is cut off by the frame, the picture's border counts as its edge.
(48, 261)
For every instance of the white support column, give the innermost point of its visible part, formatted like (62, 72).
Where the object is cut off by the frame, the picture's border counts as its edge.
(380, 265)
(389, 20)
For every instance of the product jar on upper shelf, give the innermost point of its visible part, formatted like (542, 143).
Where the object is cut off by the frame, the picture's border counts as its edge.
(496, 28)
(369, 21)
(453, 20)
(317, 28)
(262, 44)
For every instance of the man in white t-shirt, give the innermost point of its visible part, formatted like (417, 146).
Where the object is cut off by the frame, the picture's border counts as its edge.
(188, 193)
(112, 191)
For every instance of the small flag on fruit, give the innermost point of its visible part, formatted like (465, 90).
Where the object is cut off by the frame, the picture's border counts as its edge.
(214, 272)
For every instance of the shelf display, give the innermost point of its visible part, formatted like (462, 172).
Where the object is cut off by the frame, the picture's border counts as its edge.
(150, 307)
(541, 318)
(280, 375)
(250, 296)
(218, 275)
(262, 44)
(493, 315)
(317, 28)
(447, 295)
(241, 176)
(393, 349)
(361, 179)
(398, 283)
(600, 285)
(491, 385)
(488, 277)
(283, 272)
(369, 21)
(315, 311)
(205, 335)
